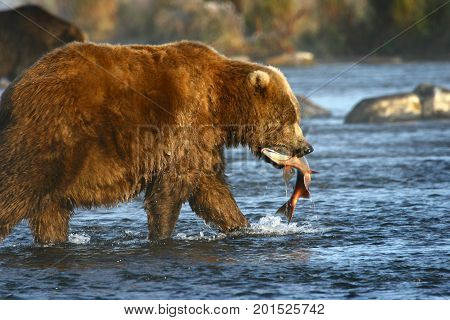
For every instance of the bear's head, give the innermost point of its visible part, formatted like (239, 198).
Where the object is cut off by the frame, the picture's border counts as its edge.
(273, 114)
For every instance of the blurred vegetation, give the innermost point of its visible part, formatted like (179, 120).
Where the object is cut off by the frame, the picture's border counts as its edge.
(260, 28)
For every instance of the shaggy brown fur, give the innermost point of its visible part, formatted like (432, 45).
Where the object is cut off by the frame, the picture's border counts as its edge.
(92, 125)
(23, 42)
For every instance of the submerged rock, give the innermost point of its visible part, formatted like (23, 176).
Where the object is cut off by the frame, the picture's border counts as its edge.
(425, 102)
(298, 58)
(310, 109)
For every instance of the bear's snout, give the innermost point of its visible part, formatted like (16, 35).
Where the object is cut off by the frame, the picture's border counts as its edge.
(304, 150)
(309, 149)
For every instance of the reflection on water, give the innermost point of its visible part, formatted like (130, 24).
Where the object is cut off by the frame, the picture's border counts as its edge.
(378, 227)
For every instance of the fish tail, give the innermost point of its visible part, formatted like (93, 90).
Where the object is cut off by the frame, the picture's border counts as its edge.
(283, 209)
(286, 210)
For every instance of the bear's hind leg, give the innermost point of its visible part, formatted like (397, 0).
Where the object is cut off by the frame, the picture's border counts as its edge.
(50, 225)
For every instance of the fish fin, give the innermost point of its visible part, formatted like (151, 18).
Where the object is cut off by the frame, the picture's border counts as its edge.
(287, 211)
(312, 172)
(305, 195)
(288, 172)
(307, 181)
(283, 210)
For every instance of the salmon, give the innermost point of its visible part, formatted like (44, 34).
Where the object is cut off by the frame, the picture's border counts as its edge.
(303, 181)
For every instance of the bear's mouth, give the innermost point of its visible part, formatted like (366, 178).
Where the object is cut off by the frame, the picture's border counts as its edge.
(281, 160)
(276, 155)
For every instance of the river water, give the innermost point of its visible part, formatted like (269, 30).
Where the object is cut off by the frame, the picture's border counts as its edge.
(377, 226)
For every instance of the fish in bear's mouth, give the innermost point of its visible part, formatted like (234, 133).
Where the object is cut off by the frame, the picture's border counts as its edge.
(301, 189)
(275, 154)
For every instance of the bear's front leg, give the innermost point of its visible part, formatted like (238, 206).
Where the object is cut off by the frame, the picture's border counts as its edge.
(51, 225)
(213, 201)
(163, 200)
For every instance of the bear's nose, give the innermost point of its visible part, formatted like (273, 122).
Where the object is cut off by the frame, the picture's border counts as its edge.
(309, 149)
(303, 151)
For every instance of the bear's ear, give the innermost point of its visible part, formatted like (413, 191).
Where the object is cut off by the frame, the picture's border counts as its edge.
(259, 80)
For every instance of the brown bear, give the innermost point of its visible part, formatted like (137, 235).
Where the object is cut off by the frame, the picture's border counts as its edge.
(94, 125)
(27, 33)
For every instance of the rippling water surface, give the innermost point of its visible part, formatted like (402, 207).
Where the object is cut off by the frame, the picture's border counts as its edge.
(377, 226)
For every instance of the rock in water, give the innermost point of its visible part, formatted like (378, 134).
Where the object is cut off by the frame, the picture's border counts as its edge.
(435, 101)
(310, 109)
(397, 107)
(3, 83)
(299, 58)
(426, 102)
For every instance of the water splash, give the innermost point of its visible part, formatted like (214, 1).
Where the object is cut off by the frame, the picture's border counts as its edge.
(269, 225)
(273, 225)
(200, 236)
(131, 233)
(80, 238)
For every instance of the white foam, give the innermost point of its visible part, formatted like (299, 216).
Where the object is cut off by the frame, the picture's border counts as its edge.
(131, 233)
(269, 225)
(273, 225)
(81, 238)
(200, 236)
